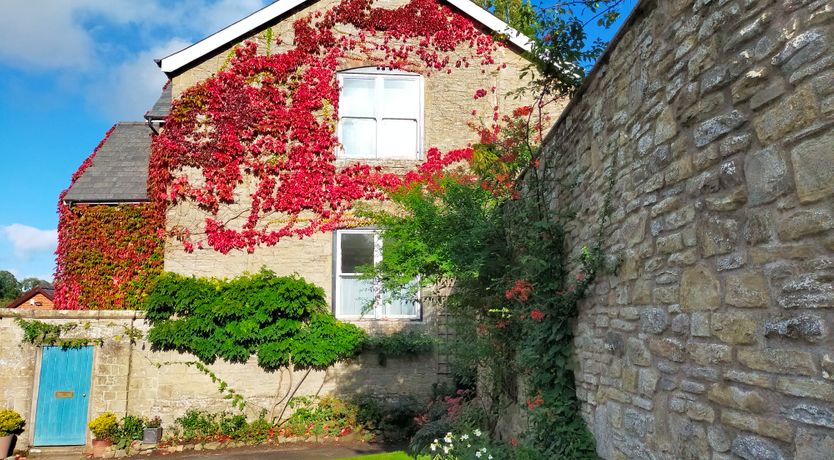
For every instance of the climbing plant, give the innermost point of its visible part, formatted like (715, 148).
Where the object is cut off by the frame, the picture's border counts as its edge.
(493, 229)
(283, 320)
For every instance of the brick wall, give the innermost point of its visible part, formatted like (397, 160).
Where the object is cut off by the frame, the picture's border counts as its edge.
(714, 339)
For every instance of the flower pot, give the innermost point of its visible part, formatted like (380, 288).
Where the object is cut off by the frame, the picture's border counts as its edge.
(6, 445)
(100, 446)
(152, 436)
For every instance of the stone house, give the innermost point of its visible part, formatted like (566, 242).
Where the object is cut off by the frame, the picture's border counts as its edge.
(432, 110)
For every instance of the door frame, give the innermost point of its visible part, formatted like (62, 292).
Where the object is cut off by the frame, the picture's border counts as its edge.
(36, 394)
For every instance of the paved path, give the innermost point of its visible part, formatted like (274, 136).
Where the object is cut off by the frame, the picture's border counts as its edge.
(292, 452)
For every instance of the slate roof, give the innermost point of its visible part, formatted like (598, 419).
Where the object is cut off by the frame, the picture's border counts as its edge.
(162, 107)
(119, 172)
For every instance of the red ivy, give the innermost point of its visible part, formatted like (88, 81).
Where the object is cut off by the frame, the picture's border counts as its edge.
(272, 118)
(107, 256)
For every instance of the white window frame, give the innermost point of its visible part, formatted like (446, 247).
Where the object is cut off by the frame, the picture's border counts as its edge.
(379, 76)
(379, 307)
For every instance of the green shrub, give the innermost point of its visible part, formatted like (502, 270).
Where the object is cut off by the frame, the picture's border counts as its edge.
(280, 319)
(403, 343)
(392, 419)
(105, 426)
(10, 422)
(327, 416)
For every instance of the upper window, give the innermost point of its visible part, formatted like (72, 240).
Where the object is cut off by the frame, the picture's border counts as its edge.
(358, 297)
(380, 114)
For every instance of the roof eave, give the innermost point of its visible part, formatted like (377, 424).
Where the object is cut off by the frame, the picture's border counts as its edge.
(180, 59)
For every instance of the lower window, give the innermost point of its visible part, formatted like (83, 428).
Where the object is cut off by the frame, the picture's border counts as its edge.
(356, 297)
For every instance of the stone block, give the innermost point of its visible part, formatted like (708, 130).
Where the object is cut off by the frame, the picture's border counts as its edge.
(734, 328)
(749, 83)
(792, 113)
(755, 448)
(637, 352)
(654, 320)
(811, 414)
(715, 127)
(778, 361)
(805, 327)
(775, 428)
(805, 222)
(668, 348)
(717, 236)
(708, 353)
(813, 166)
(647, 381)
(747, 289)
(718, 438)
(700, 412)
(670, 243)
(749, 378)
(806, 388)
(767, 176)
(736, 398)
(814, 444)
(827, 364)
(699, 325)
(700, 289)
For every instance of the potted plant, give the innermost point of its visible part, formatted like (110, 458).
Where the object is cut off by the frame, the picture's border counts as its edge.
(11, 423)
(103, 428)
(153, 431)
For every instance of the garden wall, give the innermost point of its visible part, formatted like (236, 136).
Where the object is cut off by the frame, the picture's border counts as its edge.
(714, 338)
(129, 378)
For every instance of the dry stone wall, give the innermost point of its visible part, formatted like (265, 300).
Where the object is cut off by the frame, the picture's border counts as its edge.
(714, 338)
(130, 378)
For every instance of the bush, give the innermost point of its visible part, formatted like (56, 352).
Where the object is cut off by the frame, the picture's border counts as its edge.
(10, 422)
(394, 420)
(406, 342)
(104, 426)
(327, 416)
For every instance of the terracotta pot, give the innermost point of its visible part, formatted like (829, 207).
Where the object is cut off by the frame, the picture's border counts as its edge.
(100, 446)
(6, 445)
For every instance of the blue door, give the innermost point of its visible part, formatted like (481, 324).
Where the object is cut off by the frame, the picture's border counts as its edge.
(61, 415)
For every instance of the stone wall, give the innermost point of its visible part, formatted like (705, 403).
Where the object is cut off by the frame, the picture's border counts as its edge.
(129, 378)
(448, 104)
(714, 338)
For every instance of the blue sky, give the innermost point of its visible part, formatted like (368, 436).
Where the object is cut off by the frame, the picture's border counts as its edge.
(70, 69)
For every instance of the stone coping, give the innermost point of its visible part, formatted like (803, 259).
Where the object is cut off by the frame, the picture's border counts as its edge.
(71, 314)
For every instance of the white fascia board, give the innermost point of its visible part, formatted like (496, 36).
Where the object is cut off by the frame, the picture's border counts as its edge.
(180, 59)
(493, 23)
(205, 46)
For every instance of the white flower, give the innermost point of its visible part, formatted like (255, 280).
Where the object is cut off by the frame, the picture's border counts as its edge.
(448, 438)
(490, 457)
(445, 449)
(469, 445)
(483, 449)
(478, 454)
(433, 447)
(477, 433)
(464, 437)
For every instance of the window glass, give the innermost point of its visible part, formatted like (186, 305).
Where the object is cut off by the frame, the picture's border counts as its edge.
(379, 115)
(357, 99)
(398, 139)
(400, 98)
(355, 295)
(357, 250)
(359, 137)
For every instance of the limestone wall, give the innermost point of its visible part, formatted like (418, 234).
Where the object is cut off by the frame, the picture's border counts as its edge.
(448, 104)
(129, 378)
(714, 339)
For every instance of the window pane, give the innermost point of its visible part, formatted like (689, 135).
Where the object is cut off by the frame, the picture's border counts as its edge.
(355, 296)
(398, 138)
(359, 137)
(357, 250)
(400, 98)
(357, 98)
(405, 306)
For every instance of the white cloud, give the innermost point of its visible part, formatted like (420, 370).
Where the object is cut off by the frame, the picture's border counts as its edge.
(127, 90)
(85, 39)
(26, 240)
